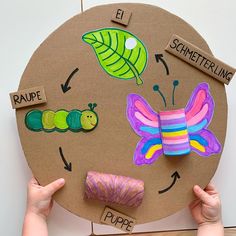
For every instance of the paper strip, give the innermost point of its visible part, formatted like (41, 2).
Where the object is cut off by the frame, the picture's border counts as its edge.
(200, 59)
(121, 16)
(118, 220)
(28, 97)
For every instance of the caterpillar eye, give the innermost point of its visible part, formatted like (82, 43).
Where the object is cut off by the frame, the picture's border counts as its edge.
(90, 116)
(87, 116)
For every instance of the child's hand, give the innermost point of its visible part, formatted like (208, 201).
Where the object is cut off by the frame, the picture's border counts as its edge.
(206, 209)
(39, 200)
(39, 205)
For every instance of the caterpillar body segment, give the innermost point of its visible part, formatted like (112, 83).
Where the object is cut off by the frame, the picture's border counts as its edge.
(62, 120)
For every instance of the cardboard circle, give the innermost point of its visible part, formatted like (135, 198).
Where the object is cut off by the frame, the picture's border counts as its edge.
(110, 147)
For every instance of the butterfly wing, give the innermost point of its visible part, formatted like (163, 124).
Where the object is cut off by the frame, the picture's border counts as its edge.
(205, 143)
(200, 108)
(142, 118)
(145, 122)
(147, 151)
(199, 112)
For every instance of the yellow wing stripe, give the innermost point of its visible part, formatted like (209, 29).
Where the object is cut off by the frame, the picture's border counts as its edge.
(197, 145)
(152, 150)
(174, 134)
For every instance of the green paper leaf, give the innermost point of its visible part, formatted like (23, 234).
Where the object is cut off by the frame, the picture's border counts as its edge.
(120, 53)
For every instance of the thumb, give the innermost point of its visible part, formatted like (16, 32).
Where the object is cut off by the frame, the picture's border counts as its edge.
(54, 186)
(202, 195)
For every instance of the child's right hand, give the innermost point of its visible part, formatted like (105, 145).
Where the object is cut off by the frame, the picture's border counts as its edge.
(206, 209)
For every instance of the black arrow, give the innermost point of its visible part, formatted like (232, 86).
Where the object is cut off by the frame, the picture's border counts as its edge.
(159, 57)
(175, 176)
(67, 166)
(65, 87)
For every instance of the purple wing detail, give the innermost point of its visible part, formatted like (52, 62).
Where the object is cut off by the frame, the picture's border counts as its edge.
(142, 118)
(145, 122)
(147, 151)
(199, 112)
(200, 108)
(205, 143)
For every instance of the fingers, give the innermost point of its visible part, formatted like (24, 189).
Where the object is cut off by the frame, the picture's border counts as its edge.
(51, 188)
(211, 188)
(33, 181)
(194, 203)
(202, 195)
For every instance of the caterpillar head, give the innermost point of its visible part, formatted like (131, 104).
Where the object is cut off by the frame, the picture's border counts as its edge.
(89, 119)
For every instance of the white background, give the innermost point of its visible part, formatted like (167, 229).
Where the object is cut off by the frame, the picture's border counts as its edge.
(24, 24)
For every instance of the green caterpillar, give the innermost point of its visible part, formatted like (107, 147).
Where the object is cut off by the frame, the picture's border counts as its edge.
(62, 120)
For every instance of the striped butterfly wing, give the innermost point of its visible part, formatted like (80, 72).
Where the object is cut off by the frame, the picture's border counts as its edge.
(145, 122)
(120, 53)
(199, 112)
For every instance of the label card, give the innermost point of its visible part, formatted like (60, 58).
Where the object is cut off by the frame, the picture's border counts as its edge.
(118, 220)
(28, 97)
(200, 59)
(121, 16)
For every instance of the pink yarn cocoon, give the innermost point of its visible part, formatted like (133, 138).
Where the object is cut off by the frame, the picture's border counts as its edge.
(116, 189)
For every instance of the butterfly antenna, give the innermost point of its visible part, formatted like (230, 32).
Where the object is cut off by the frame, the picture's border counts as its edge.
(157, 89)
(175, 84)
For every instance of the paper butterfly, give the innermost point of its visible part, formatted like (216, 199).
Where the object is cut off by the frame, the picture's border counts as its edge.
(173, 132)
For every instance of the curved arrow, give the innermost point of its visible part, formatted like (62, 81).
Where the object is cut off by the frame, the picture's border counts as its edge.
(159, 57)
(65, 87)
(67, 166)
(175, 176)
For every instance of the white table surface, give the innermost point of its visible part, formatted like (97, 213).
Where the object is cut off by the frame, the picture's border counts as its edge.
(24, 24)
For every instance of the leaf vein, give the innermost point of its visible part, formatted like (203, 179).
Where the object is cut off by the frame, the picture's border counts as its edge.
(120, 67)
(126, 71)
(109, 46)
(137, 56)
(113, 51)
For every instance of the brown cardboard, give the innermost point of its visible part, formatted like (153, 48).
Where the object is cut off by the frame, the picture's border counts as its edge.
(118, 220)
(121, 16)
(28, 97)
(110, 147)
(200, 59)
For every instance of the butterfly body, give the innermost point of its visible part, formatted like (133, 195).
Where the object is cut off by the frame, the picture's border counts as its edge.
(173, 132)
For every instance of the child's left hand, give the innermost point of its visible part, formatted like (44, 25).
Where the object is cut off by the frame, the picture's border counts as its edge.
(39, 199)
